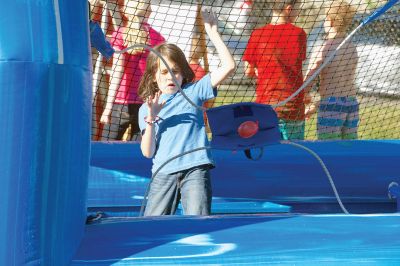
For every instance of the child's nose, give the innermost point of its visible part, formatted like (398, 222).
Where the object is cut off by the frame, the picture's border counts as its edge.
(169, 76)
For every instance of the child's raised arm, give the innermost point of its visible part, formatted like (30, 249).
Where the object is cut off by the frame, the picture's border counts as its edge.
(227, 62)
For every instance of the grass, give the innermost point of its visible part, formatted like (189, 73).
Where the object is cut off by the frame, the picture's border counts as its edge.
(379, 116)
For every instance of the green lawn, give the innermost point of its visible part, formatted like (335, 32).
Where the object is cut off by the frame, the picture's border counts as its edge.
(379, 117)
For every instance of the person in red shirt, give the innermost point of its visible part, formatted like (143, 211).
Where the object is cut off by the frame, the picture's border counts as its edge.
(274, 56)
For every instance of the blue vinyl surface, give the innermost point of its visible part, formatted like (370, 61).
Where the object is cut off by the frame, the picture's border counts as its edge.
(243, 240)
(312, 232)
(362, 172)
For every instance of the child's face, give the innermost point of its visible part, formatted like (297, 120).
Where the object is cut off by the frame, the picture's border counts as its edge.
(165, 80)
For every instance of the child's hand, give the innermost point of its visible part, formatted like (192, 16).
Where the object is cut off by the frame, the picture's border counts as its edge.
(154, 106)
(210, 19)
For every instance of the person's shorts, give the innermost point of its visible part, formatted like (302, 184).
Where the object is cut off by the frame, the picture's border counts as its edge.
(338, 118)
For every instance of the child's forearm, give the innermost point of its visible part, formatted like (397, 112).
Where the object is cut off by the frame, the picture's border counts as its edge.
(148, 143)
(227, 62)
(316, 61)
(224, 54)
(112, 90)
(115, 80)
(310, 85)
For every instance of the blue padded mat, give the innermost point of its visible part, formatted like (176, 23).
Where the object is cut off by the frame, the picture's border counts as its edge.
(362, 172)
(243, 240)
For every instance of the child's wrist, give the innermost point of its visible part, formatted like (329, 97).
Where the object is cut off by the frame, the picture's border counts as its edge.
(150, 120)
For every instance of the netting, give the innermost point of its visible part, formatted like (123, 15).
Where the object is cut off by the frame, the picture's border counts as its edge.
(356, 96)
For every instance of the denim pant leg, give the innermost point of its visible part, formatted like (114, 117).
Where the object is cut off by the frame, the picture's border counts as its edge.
(196, 191)
(163, 195)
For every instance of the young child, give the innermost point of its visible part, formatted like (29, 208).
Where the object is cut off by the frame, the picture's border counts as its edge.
(171, 125)
(274, 56)
(338, 108)
(122, 105)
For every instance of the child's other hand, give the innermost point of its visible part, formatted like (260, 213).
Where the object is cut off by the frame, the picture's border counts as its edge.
(154, 106)
(210, 19)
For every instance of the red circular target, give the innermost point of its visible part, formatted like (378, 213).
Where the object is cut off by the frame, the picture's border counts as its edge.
(248, 129)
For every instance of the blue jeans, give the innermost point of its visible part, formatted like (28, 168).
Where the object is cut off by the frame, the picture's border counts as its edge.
(192, 187)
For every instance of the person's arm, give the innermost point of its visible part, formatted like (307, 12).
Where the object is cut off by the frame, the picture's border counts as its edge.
(115, 81)
(96, 9)
(148, 143)
(116, 10)
(227, 62)
(316, 61)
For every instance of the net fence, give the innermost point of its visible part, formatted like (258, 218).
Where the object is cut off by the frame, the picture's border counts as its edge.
(355, 96)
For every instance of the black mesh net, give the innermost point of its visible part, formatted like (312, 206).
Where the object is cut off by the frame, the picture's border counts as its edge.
(355, 96)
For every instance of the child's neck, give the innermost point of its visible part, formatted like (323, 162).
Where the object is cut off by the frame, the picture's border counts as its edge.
(280, 18)
(334, 34)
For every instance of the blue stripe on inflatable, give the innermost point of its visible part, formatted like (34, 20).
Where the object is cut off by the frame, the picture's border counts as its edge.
(44, 130)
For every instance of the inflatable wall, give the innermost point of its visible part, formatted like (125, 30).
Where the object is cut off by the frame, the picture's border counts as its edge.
(45, 91)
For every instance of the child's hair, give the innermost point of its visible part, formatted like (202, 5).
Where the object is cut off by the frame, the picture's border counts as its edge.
(279, 5)
(135, 34)
(148, 85)
(341, 14)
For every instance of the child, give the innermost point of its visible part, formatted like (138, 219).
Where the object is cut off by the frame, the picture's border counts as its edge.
(122, 106)
(338, 109)
(171, 125)
(274, 55)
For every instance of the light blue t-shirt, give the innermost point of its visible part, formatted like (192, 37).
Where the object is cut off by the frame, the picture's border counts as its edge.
(180, 128)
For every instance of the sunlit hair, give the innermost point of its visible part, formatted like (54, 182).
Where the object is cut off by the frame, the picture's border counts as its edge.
(148, 86)
(280, 5)
(135, 33)
(341, 15)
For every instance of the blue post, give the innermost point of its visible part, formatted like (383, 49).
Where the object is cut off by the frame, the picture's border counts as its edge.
(45, 90)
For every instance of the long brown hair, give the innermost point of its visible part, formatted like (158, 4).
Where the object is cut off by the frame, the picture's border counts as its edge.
(148, 87)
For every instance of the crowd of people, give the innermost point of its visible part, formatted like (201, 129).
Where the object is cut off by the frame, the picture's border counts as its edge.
(144, 97)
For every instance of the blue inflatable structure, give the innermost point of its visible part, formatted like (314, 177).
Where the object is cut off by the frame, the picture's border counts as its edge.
(280, 209)
(45, 106)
